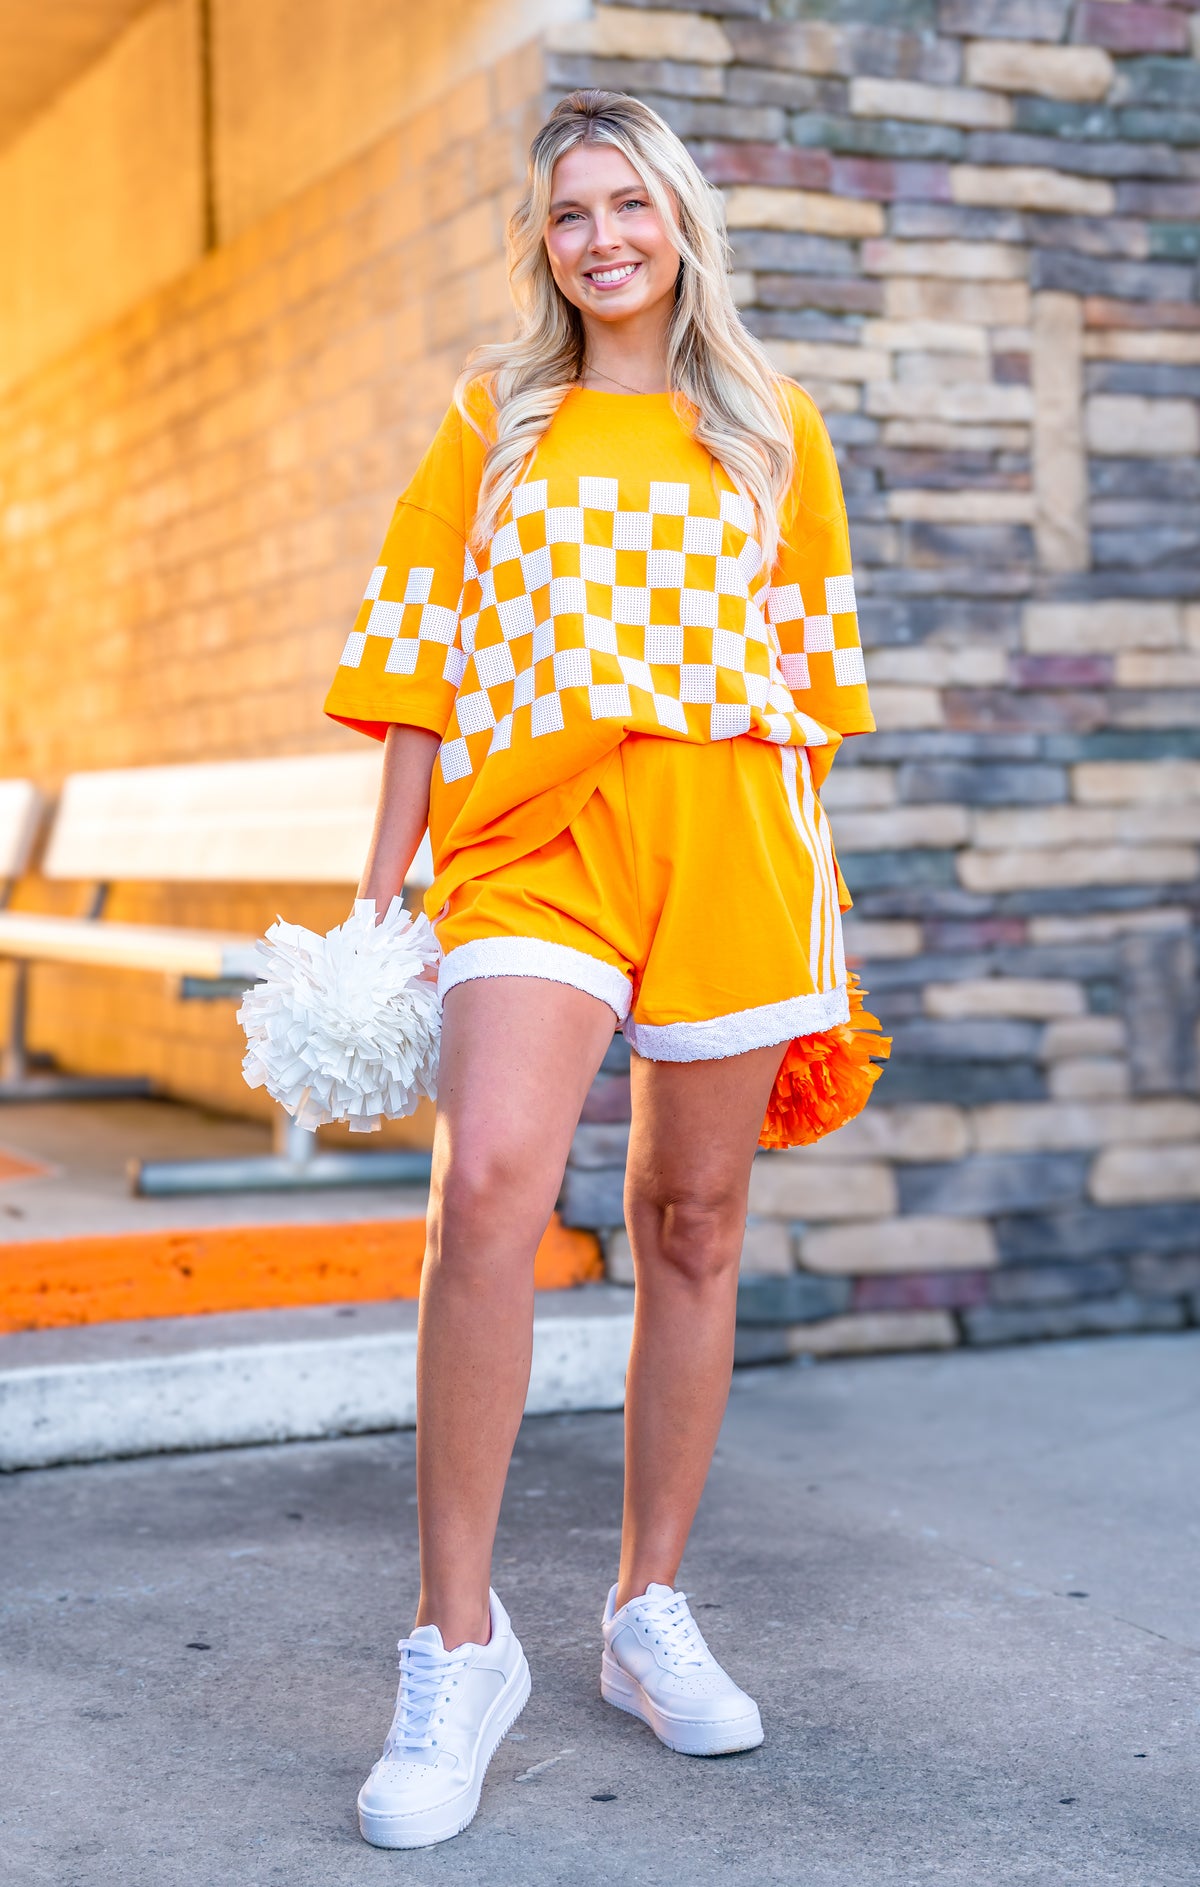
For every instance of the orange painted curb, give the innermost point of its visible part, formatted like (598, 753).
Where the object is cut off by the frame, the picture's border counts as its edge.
(45, 1283)
(16, 1166)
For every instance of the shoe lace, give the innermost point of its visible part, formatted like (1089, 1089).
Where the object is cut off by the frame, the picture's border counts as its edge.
(677, 1633)
(428, 1680)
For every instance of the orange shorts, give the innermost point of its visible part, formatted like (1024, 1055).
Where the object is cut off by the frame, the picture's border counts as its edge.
(696, 893)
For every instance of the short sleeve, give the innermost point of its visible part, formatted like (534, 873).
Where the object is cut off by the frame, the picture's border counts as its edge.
(403, 659)
(811, 601)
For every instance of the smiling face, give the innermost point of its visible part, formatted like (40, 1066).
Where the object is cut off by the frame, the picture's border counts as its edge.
(608, 251)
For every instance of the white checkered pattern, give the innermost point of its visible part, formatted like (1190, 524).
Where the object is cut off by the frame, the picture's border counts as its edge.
(405, 624)
(628, 615)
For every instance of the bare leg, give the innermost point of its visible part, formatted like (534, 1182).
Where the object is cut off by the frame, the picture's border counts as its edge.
(518, 1056)
(695, 1128)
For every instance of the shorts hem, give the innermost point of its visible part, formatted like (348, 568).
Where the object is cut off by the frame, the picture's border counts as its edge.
(532, 956)
(743, 1030)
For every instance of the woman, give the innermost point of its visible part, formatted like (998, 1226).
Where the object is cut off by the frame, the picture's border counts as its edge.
(587, 650)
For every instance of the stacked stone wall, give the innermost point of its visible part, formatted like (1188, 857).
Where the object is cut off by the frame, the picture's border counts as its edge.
(970, 228)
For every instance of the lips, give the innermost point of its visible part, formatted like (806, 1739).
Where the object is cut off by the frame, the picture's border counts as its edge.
(614, 277)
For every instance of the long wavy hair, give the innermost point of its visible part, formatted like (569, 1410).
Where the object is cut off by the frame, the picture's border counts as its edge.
(734, 397)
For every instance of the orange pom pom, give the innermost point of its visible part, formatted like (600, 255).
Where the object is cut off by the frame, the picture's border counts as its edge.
(825, 1079)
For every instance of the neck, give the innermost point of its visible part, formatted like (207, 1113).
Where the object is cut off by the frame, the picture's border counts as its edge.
(633, 354)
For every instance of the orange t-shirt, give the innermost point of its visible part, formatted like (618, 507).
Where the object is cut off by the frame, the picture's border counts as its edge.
(622, 591)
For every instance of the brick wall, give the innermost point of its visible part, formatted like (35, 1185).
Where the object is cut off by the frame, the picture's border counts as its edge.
(971, 229)
(190, 499)
(91, 223)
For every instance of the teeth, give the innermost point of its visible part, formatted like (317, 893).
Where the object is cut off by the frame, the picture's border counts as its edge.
(614, 275)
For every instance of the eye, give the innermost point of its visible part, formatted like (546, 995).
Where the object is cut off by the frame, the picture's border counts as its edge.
(635, 203)
(567, 216)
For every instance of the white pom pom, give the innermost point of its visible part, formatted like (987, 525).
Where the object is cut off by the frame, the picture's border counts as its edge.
(345, 1027)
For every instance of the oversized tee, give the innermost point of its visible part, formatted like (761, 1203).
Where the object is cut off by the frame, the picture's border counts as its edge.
(623, 590)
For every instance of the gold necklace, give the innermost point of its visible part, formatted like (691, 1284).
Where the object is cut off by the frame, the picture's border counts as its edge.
(588, 368)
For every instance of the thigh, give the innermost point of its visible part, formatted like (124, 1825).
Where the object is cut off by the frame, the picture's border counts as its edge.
(696, 1125)
(518, 1056)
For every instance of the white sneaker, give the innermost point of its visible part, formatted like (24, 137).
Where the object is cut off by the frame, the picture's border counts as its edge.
(452, 1710)
(657, 1666)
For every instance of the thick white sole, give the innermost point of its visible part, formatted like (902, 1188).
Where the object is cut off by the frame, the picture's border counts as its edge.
(424, 1828)
(678, 1733)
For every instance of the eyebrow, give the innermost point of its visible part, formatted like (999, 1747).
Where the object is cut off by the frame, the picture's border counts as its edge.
(573, 203)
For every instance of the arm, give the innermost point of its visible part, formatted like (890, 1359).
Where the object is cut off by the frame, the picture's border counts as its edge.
(402, 814)
(811, 602)
(403, 660)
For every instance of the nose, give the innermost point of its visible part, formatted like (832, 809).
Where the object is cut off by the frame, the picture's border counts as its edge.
(605, 235)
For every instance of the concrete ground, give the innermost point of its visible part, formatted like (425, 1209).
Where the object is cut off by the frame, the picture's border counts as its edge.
(84, 1148)
(962, 1586)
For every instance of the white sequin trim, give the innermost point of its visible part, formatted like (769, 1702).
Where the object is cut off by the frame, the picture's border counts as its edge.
(532, 956)
(745, 1029)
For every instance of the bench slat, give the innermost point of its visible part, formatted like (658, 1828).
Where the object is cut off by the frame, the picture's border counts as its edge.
(205, 953)
(20, 803)
(300, 819)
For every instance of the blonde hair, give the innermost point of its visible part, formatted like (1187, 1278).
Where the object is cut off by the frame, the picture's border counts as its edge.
(738, 410)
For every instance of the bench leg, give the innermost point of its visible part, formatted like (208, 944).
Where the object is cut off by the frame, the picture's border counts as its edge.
(294, 1166)
(19, 1083)
(290, 1141)
(14, 1065)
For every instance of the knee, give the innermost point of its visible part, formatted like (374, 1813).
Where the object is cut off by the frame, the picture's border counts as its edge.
(698, 1240)
(481, 1197)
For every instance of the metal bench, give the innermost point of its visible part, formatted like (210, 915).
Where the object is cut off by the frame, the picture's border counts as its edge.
(21, 812)
(299, 820)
